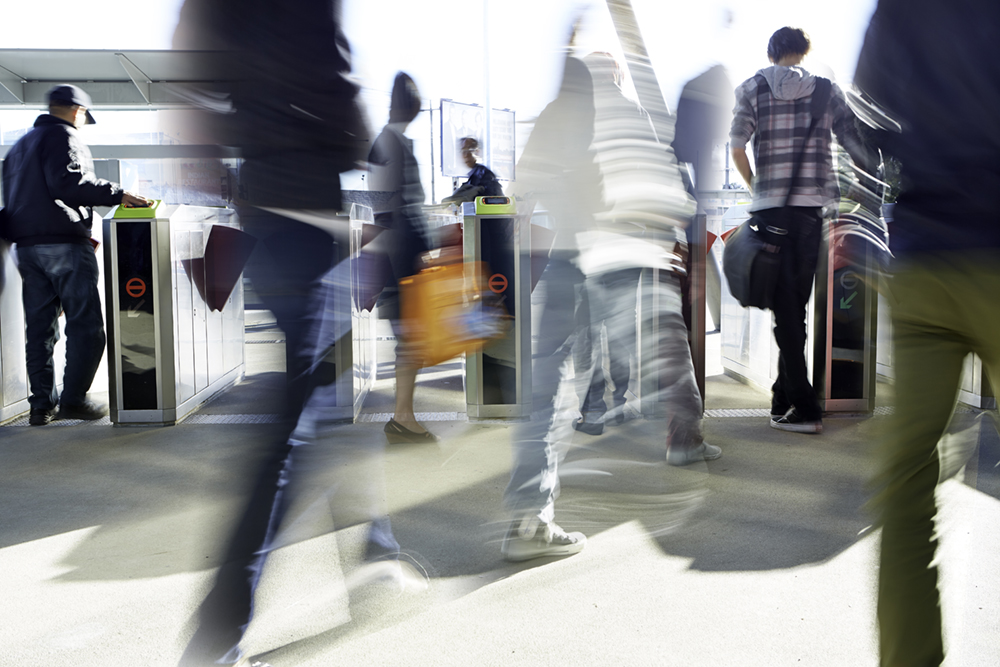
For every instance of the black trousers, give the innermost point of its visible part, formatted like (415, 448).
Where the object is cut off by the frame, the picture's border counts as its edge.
(799, 255)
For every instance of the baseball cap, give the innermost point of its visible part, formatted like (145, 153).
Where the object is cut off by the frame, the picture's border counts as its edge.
(69, 94)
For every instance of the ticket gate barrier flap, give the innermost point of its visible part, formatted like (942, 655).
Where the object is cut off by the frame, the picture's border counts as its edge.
(498, 376)
(168, 351)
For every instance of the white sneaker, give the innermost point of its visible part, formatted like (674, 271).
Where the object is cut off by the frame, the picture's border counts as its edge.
(704, 452)
(530, 538)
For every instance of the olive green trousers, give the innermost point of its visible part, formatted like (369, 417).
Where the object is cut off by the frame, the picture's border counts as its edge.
(943, 308)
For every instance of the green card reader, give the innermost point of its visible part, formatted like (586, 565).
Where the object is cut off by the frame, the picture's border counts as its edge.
(495, 205)
(138, 212)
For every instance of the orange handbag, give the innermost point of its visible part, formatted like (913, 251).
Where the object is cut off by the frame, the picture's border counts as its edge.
(447, 310)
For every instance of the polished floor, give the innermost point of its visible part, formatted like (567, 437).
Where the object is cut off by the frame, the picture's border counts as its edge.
(109, 537)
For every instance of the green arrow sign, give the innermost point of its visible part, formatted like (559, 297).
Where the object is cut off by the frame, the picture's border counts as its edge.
(845, 304)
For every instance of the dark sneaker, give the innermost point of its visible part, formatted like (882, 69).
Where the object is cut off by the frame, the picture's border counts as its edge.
(87, 411)
(531, 538)
(41, 416)
(588, 428)
(794, 422)
(677, 456)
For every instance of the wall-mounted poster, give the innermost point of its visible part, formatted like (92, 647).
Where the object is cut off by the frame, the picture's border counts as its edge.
(469, 120)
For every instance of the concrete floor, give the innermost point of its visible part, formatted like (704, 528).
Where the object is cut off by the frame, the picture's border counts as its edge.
(764, 557)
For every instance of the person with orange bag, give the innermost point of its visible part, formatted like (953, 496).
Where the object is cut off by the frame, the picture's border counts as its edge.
(394, 170)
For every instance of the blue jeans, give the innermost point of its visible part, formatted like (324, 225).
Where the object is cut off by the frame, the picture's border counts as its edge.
(534, 479)
(292, 270)
(61, 277)
(611, 300)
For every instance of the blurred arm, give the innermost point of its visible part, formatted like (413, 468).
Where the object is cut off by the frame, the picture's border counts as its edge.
(845, 127)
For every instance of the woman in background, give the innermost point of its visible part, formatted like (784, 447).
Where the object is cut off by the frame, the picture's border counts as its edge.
(394, 169)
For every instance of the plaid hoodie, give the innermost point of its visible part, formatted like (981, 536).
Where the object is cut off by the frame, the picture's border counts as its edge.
(778, 120)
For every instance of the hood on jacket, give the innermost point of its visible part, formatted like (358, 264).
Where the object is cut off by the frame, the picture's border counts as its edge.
(788, 83)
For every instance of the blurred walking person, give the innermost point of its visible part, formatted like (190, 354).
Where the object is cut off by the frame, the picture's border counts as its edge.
(641, 233)
(558, 170)
(394, 170)
(933, 67)
(296, 118)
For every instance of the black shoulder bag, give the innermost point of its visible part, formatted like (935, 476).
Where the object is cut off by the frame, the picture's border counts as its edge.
(750, 260)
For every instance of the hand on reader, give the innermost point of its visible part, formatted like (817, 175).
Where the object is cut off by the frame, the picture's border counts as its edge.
(130, 200)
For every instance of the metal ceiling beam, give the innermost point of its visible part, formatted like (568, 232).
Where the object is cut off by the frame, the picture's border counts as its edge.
(13, 83)
(104, 94)
(138, 77)
(122, 79)
(154, 152)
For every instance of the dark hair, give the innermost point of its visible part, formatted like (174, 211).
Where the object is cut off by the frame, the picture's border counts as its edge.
(475, 142)
(786, 42)
(404, 104)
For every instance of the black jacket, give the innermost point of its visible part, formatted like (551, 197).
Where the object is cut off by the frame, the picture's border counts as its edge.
(933, 67)
(49, 186)
(298, 121)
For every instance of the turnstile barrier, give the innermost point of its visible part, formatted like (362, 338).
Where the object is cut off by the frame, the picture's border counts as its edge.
(174, 309)
(498, 376)
(841, 326)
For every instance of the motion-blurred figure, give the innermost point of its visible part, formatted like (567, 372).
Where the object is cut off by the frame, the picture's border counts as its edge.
(642, 231)
(481, 181)
(703, 116)
(394, 169)
(296, 119)
(49, 186)
(608, 299)
(773, 107)
(558, 169)
(933, 66)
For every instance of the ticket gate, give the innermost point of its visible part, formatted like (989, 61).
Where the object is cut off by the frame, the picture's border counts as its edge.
(841, 326)
(350, 323)
(498, 376)
(174, 303)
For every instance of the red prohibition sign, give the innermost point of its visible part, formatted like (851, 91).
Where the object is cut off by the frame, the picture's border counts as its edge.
(498, 283)
(135, 287)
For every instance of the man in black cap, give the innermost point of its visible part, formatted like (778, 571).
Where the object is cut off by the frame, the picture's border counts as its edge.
(49, 188)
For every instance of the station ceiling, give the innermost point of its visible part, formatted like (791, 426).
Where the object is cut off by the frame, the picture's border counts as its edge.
(114, 79)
